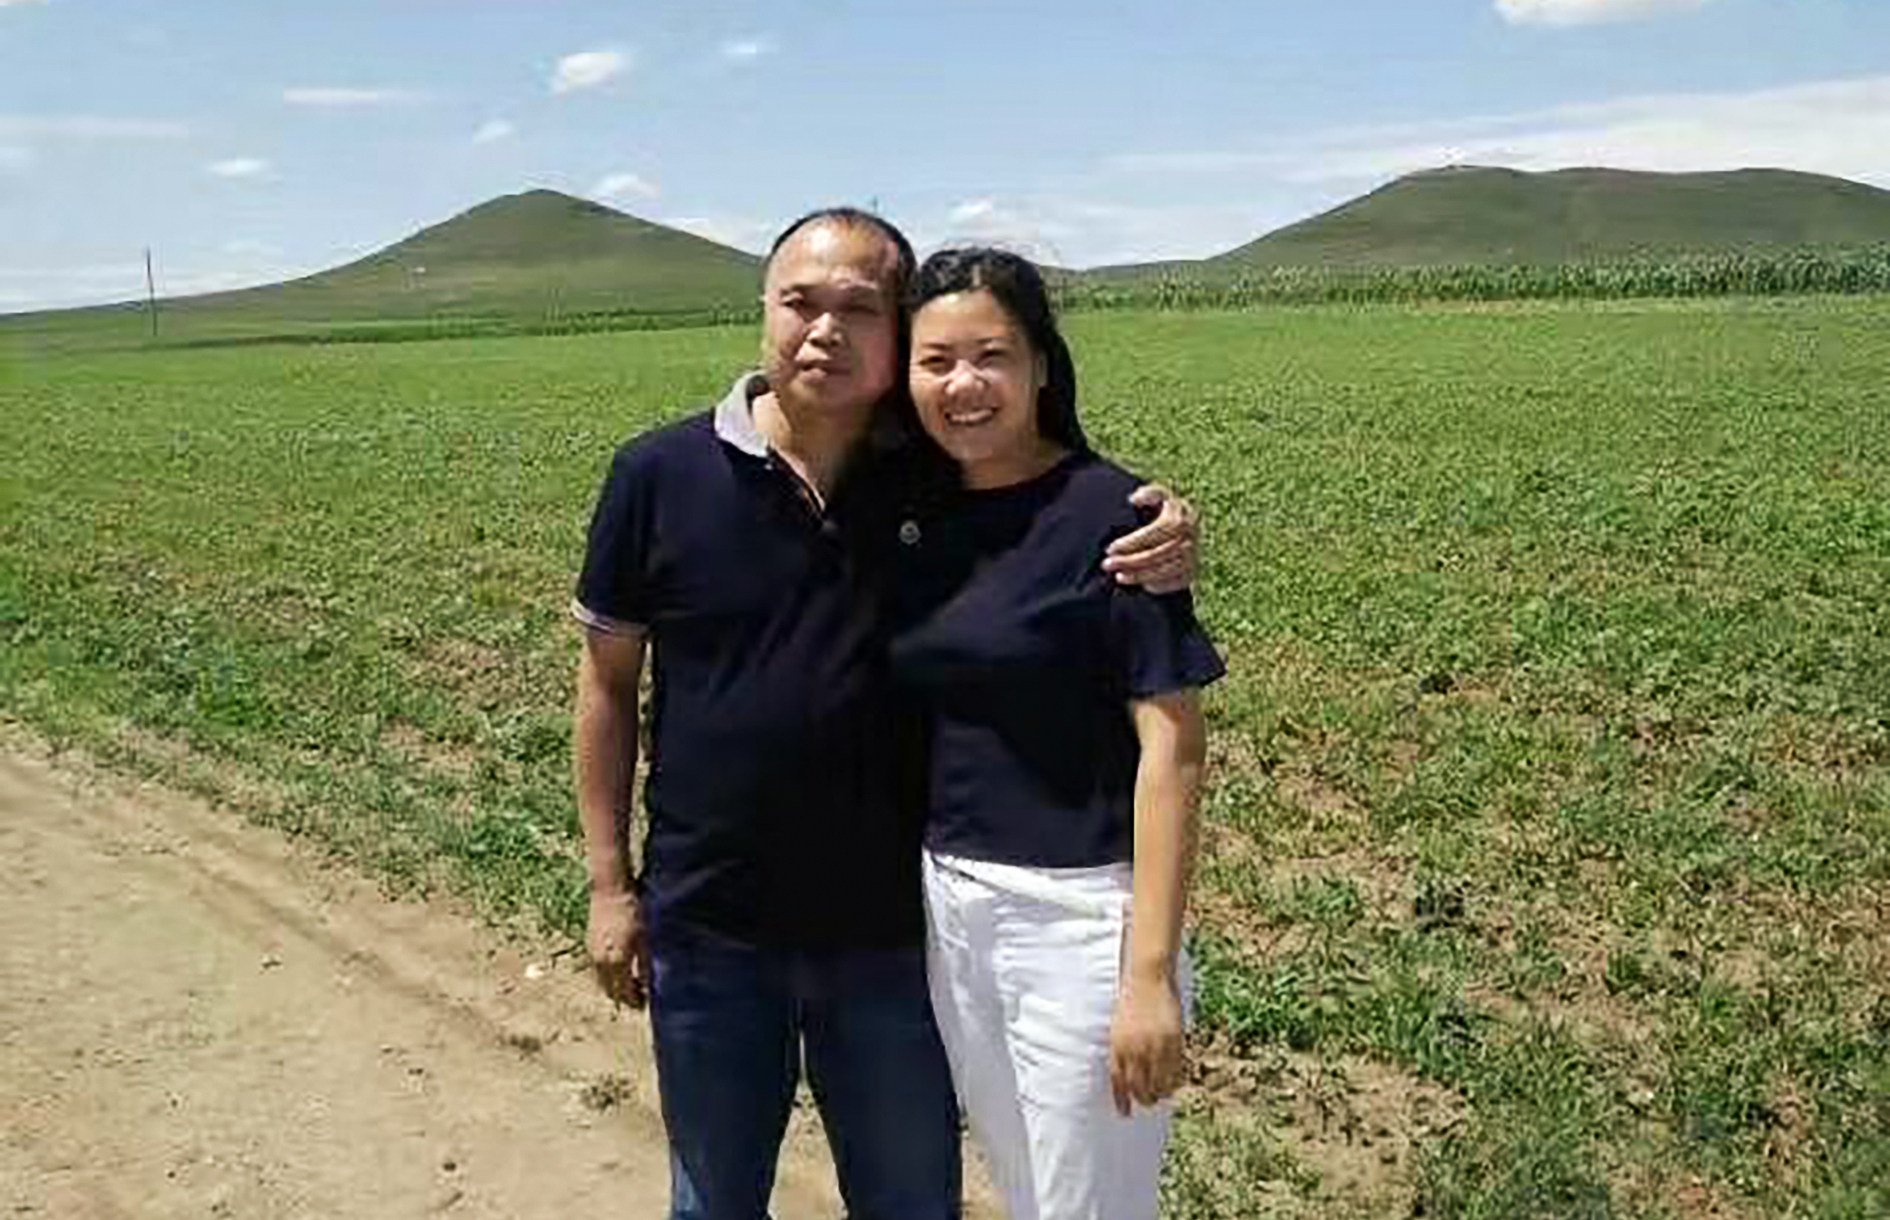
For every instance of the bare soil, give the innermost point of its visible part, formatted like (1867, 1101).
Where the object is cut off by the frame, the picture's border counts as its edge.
(197, 1019)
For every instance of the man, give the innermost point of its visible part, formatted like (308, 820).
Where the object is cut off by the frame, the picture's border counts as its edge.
(776, 919)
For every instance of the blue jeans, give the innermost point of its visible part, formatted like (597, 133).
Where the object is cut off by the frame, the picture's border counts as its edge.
(733, 1025)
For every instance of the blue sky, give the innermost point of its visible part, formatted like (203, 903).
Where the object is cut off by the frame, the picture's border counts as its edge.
(246, 140)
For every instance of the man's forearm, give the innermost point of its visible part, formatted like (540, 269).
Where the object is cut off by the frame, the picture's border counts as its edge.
(604, 747)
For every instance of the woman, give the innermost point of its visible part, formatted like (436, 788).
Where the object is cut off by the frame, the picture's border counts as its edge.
(1066, 747)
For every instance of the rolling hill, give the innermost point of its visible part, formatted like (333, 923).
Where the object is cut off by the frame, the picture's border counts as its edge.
(524, 259)
(531, 253)
(1485, 216)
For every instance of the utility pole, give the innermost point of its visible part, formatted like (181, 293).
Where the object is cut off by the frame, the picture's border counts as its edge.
(150, 288)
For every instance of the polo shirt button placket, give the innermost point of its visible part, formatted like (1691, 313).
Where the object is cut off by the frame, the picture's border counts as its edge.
(804, 498)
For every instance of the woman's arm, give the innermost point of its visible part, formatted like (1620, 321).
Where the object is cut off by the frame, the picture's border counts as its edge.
(1146, 1059)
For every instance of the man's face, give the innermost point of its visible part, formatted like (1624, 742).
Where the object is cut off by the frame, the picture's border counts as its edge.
(830, 334)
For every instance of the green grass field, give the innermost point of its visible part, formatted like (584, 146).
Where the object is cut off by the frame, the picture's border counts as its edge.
(1548, 871)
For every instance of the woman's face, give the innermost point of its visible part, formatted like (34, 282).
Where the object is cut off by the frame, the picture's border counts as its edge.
(975, 379)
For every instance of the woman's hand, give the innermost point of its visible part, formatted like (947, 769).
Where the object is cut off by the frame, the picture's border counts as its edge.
(1161, 556)
(619, 950)
(1146, 1049)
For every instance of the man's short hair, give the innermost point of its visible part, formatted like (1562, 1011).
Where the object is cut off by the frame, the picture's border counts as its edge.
(905, 263)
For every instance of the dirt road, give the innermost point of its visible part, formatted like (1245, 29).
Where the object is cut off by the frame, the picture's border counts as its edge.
(195, 1020)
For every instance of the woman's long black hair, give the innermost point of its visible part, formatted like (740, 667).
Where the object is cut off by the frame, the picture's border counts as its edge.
(1018, 286)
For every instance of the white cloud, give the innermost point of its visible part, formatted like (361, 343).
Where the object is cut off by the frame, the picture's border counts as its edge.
(493, 130)
(1079, 231)
(588, 70)
(334, 97)
(51, 287)
(238, 167)
(249, 247)
(743, 49)
(20, 3)
(741, 232)
(1044, 229)
(192, 283)
(88, 127)
(15, 158)
(1829, 127)
(1588, 12)
(76, 284)
(620, 187)
(972, 211)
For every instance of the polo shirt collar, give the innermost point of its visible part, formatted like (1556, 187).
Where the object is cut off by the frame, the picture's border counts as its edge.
(735, 420)
(735, 415)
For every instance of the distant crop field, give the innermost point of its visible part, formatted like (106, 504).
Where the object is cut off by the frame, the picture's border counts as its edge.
(1863, 270)
(517, 304)
(1548, 865)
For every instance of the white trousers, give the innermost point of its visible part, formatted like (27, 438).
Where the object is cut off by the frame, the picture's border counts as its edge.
(1024, 965)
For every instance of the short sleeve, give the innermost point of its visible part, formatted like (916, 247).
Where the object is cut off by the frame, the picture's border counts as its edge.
(1156, 645)
(613, 590)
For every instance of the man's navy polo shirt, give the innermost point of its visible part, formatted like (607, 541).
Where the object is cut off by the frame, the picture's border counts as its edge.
(773, 790)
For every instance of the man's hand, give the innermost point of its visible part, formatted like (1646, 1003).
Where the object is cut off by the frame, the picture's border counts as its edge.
(1146, 1050)
(1161, 556)
(619, 950)
(604, 754)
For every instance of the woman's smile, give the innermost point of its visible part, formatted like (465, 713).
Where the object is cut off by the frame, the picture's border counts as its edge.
(969, 417)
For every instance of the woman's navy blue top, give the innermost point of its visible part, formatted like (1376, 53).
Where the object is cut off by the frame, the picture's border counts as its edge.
(1025, 656)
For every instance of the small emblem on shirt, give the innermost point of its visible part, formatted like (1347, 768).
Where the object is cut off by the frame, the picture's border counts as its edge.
(909, 533)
